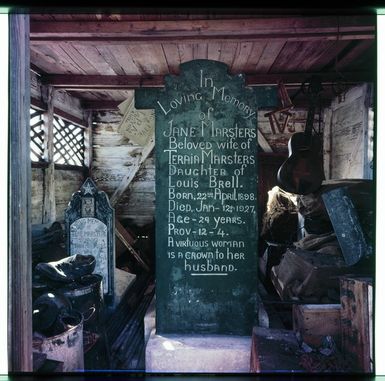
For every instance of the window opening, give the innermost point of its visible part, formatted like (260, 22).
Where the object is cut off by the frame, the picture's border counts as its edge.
(37, 135)
(68, 140)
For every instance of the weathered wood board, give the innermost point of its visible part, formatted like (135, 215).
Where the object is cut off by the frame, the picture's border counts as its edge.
(206, 199)
(357, 322)
(66, 183)
(114, 157)
(37, 192)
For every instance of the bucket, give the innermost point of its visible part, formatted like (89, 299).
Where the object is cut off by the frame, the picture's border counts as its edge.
(86, 296)
(66, 347)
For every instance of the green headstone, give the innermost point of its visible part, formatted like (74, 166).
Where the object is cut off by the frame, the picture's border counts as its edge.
(206, 199)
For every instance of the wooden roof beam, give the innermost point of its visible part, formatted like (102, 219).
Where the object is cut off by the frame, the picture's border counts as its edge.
(110, 82)
(125, 82)
(183, 31)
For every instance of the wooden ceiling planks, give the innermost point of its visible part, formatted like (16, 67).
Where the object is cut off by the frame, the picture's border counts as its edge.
(298, 56)
(310, 55)
(227, 55)
(124, 60)
(77, 58)
(107, 53)
(359, 48)
(287, 55)
(200, 51)
(52, 57)
(254, 57)
(327, 59)
(149, 58)
(41, 63)
(214, 51)
(185, 52)
(362, 62)
(171, 54)
(269, 56)
(242, 53)
(125, 51)
(92, 54)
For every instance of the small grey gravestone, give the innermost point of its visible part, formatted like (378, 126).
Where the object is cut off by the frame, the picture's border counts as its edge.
(90, 227)
(206, 198)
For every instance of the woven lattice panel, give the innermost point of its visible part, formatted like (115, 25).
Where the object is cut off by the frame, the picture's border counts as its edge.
(37, 135)
(68, 143)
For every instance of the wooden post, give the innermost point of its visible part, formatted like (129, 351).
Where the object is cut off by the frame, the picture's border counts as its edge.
(19, 249)
(49, 211)
(88, 146)
(327, 142)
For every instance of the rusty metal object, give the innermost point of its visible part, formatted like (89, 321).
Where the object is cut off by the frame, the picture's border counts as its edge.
(67, 346)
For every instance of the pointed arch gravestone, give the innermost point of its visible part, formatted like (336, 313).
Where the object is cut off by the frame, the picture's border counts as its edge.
(90, 226)
(206, 199)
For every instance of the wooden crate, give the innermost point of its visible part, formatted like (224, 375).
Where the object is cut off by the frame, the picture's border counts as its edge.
(315, 321)
(274, 350)
(307, 275)
(357, 322)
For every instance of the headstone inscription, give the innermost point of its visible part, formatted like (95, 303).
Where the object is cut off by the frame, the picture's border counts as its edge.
(206, 183)
(90, 225)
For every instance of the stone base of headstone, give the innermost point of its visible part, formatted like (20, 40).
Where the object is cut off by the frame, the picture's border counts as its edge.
(123, 280)
(197, 353)
(193, 353)
(149, 320)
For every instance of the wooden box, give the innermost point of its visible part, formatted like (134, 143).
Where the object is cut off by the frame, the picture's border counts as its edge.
(315, 321)
(306, 275)
(274, 350)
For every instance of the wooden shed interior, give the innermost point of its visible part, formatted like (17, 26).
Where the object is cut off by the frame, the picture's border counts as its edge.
(83, 66)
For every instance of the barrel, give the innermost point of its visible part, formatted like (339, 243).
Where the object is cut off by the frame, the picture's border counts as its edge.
(66, 347)
(86, 296)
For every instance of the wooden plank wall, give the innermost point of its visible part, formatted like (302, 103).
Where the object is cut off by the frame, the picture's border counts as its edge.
(113, 155)
(37, 195)
(67, 181)
(62, 100)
